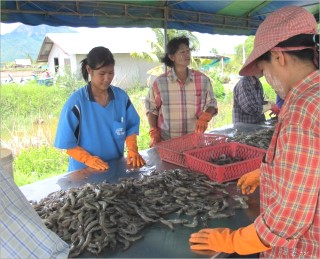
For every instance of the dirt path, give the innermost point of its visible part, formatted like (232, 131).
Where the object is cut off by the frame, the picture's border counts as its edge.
(14, 74)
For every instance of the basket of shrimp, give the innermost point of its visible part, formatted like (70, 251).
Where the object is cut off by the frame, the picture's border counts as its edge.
(172, 150)
(226, 161)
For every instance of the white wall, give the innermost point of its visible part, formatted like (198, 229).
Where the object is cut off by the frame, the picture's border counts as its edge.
(56, 52)
(128, 71)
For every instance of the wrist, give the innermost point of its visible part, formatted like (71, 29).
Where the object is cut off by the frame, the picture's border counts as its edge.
(205, 116)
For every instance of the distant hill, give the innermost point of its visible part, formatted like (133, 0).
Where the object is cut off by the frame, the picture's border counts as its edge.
(25, 41)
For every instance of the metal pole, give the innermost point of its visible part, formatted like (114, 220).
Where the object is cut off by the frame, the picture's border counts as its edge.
(165, 26)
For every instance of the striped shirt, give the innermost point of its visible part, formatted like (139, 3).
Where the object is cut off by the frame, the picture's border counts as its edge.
(248, 101)
(178, 104)
(290, 177)
(23, 234)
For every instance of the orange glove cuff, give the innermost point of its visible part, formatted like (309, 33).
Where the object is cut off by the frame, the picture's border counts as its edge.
(155, 136)
(205, 116)
(246, 241)
(131, 142)
(79, 154)
(242, 241)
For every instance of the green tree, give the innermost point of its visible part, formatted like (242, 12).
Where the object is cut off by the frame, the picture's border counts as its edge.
(237, 60)
(157, 47)
(214, 51)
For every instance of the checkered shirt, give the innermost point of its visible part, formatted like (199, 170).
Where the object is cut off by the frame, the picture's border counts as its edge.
(248, 101)
(179, 104)
(23, 234)
(290, 177)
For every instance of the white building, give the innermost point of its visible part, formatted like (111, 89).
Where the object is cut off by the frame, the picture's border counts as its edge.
(23, 62)
(62, 50)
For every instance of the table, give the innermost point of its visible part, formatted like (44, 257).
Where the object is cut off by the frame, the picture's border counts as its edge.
(159, 241)
(232, 129)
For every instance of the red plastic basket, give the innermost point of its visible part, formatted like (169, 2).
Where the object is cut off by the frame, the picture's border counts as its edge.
(199, 160)
(172, 150)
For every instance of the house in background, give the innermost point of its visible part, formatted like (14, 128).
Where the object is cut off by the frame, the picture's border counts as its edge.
(22, 63)
(64, 52)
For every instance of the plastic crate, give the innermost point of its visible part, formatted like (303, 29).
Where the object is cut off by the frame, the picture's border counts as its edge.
(172, 150)
(199, 160)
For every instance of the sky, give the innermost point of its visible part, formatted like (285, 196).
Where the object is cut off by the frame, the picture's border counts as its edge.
(224, 44)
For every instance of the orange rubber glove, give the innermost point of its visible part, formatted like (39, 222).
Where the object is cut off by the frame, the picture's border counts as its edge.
(134, 157)
(155, 136)
(202, 122)
(81, 155)
(243, 241)
(249, 182)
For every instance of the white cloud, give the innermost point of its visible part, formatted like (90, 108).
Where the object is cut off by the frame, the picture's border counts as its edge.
(223, 43)
(8, 27)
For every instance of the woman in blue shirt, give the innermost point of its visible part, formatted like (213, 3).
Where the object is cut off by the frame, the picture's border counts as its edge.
(99, 118)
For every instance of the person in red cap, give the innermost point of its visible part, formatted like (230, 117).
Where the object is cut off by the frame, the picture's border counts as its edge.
(286, 51)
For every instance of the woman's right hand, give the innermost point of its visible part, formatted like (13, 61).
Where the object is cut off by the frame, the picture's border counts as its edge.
(97, 163)
(83, 156)
(249, 182)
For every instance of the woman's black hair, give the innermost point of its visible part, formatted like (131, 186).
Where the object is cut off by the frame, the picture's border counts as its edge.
(97, 58)
(307, 40)
(172, 47)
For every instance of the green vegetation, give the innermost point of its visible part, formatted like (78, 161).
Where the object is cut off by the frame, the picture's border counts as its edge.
(34, 164)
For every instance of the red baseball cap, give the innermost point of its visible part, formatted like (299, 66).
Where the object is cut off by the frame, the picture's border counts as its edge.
(279, 26)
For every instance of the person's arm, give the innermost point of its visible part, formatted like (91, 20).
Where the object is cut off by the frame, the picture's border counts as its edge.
(152, 120)
(154, 132)
(295, 184)
(242, 241)
(83, 156)
(210, 109)
(23, 233)
(152, 109)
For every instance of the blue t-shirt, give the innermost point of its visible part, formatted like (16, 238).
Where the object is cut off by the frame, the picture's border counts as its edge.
(99, 130)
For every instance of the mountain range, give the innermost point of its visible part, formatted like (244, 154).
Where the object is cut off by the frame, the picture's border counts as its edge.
(25, 41)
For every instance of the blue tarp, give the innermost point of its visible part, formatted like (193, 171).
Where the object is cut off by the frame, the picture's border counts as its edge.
(214, 62)
(237, 17)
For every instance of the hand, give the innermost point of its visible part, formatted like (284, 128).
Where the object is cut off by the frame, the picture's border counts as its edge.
(214, 239)
(275, 109)
(155, 136)
(249, 182)
(242, 241)
(97, 163)
(202, 122)
(83, 156)
(134, 157)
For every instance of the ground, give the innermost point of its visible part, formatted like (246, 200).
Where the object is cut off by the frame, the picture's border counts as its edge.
(17, 75)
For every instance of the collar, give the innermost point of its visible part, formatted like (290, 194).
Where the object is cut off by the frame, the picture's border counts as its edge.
(175, 78)
(297, 90)
(90, 94)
